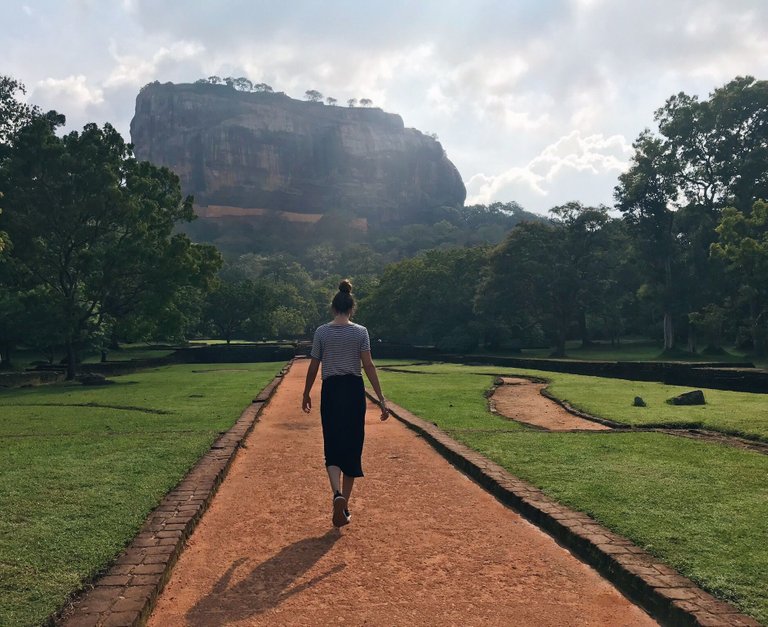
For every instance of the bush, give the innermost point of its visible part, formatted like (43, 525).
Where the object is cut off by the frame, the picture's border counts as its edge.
(460, 340)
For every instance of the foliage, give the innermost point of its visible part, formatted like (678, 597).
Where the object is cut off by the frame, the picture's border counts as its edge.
(427, 299)
(93, 230)
(312, 95)
(743, 245)
(14, 114)
(708, 154)
(550, 274)
(242, 309)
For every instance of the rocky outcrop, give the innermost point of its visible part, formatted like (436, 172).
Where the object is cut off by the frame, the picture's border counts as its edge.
(258, 152)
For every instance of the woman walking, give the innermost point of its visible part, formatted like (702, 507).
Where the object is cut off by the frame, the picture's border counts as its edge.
(341, 346)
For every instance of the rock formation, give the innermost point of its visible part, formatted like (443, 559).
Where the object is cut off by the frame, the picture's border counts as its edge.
(243, 154)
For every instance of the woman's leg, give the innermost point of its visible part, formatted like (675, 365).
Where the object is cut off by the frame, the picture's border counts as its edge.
(347, 485)
(334, 474)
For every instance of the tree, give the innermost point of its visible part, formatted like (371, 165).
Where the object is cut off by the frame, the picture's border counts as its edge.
(14, 114)
(366, 102)
(5, 242)
(242, 84)
(644, 195)
(312, 95)
(743, 245)
(583, 245)
(263, 87)
(708, 154)
(719, 145)
(241, 308)
(93, 226)
(331, 101)
(531, 282)
(351, 102)
(403, 306)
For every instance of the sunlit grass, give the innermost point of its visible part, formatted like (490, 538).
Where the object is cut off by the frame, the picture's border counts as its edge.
(80, 468)
(740, 413)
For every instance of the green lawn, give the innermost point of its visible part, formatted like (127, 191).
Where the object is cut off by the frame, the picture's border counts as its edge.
(80, 468)
(630, 351)
(700, 507)
(739, 413)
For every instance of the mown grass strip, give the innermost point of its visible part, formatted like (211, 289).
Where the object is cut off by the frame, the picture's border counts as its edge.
(735, 413)
(79, 482)
(698, 506)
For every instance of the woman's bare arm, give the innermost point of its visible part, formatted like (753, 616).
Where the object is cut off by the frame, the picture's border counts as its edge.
(306, 402)
(373, 377)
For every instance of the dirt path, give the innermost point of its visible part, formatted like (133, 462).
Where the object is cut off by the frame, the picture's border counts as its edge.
(521, 400)
(426, 545)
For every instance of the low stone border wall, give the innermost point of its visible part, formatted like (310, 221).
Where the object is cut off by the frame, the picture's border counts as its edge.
(665, 594)
(27, 379)
(126, 594)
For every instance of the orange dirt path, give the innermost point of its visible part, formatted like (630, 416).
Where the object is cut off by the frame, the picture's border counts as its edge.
(426, 545)
(521, 399)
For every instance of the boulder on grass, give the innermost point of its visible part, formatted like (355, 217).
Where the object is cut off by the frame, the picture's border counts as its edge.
(638, 402)
(696, 397)
(93, 378)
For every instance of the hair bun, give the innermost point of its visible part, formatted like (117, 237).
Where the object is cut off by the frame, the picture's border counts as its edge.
(345, 286)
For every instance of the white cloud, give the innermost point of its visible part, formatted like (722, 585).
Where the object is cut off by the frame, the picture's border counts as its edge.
(548, 179)
(72, 91)
(137, 70)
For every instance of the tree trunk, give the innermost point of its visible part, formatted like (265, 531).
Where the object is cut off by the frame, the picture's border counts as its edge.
(114, 341)
(758, 334)
(103, 356)
(71, 361)
(562, 330)
(669, 331)
(5, 355)
(583, 330)
(691, 339)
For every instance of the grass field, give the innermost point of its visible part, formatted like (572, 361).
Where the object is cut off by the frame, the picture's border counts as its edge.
(632, 350)
(700, 507)
(80, 468)
(737, 413)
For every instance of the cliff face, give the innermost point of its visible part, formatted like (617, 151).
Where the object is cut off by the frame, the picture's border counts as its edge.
(269, 152)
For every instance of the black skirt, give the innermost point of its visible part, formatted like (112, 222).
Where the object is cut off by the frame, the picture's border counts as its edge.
(342, 410)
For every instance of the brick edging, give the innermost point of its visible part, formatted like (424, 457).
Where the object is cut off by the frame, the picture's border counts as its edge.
(126, 594)
(665, 594)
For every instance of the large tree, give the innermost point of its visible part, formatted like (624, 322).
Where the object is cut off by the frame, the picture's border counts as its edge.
(707, 154)
(743, 245)
(644, 195)
(428, 299)
(92, 228)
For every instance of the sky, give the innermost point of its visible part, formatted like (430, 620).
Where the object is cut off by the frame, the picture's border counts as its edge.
(534, 101)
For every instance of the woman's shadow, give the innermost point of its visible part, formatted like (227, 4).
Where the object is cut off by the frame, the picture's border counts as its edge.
(267, 585)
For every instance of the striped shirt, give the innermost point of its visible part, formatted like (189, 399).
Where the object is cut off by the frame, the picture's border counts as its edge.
(338, 347)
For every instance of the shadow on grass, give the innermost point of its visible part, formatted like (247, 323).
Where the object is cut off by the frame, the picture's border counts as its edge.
(268, 585)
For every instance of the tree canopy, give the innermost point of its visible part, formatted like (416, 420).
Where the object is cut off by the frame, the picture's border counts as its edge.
(93, 232)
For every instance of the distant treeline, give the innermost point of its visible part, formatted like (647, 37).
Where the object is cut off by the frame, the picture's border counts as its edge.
(686, 261)
(97, 248)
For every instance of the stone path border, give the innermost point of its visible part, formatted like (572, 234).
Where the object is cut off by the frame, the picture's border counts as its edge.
(126, 594)
(665, 594)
